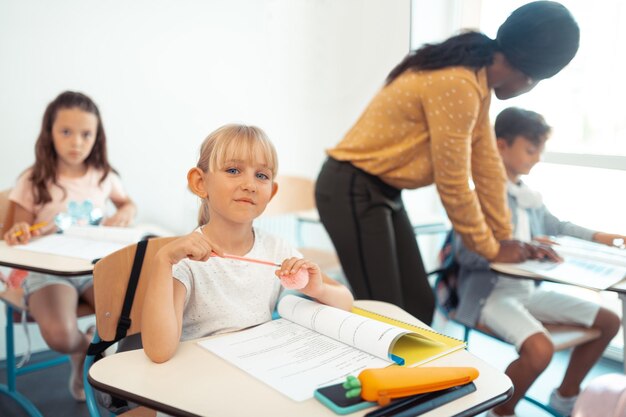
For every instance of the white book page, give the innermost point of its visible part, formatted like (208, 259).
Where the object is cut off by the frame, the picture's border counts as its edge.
(571, 246)
(84, 242)
(125, 235)
(74, 247)
(578, 271)
(291, 358)
(368, 335)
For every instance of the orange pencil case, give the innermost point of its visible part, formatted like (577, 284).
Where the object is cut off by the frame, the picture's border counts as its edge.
(384, 384)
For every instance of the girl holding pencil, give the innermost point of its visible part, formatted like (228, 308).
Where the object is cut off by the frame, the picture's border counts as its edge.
(71, 166)
(197, 288)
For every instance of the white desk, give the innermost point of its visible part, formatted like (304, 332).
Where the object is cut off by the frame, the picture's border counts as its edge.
(619, 288)
(55, 264)
(195, 382)
(425, 226)
(43, 262)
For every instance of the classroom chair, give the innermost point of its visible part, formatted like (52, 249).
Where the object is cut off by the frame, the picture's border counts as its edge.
(13, 298)
(16, 312)
(296, 197)
(562, 336)
(117, 318)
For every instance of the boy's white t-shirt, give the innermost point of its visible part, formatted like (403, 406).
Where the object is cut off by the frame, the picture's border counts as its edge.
(526, 198)
(225, 295)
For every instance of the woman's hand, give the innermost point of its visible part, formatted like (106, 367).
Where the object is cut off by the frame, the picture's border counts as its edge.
(20, 234)
(512, 251)
(515, 251)
(543, 252)
(195, 246)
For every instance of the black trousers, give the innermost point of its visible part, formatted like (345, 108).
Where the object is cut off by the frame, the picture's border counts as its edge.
(373, 237)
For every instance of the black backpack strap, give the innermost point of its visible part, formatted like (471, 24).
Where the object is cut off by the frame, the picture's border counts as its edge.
(124, 322)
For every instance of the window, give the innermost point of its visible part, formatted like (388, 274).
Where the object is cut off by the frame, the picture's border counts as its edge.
(584, 101)
(585, 174)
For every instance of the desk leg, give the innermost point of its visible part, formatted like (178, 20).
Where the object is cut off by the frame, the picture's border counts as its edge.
(622, 297)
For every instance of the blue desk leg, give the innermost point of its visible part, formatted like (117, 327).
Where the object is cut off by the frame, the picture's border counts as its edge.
(90, 395)
(10, 389)
(622, 296)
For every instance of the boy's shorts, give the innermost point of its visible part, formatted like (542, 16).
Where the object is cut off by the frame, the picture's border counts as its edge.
(516, 315)
(36, 281)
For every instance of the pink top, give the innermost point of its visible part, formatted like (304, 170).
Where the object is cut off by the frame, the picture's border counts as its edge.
(79, 189)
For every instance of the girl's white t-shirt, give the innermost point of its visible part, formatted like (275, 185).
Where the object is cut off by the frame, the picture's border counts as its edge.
(87, 187)
(225, 295)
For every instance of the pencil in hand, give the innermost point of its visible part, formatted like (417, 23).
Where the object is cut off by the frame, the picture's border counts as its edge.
(295, 281)
(32, 228)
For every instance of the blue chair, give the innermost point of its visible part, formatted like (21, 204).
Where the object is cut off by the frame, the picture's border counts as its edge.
(13, 298)
(111, 288)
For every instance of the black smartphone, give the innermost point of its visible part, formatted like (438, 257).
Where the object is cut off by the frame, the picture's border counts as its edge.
(334, 397)
(421, 403)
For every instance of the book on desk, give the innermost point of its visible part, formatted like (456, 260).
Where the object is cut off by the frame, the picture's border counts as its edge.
(314, 345)
(585, 264)
(85, 242)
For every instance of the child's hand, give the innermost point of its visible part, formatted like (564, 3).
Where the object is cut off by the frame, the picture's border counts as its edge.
(610, 239)
(301, 274)
(195, 246)
(20, 234)
(122, 218)
(545, 240)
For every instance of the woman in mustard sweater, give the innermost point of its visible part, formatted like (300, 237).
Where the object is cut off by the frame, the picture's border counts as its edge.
(430, 124)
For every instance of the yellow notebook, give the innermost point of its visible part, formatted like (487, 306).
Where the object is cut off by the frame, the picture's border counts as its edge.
(421, 346)
(313, 345)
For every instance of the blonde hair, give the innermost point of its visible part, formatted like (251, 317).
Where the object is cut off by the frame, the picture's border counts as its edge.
(234, 141)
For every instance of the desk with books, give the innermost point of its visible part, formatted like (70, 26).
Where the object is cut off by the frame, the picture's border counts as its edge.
(45, 263)
(196, 382)
(587, 265)
(52, 254)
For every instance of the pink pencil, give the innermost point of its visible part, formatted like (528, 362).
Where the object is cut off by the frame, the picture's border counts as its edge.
(241, 258)
(295, 281)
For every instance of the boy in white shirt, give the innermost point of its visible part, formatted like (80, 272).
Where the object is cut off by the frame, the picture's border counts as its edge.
(515, 308)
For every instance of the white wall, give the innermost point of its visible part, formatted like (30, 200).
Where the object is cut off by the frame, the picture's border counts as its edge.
(166, 73)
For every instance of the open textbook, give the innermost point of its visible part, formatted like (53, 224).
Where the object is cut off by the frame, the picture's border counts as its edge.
(585, 264)
(85, 242)
(314, 345)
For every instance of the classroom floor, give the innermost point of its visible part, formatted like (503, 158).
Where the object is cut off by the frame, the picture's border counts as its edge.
(47, 389)
(500, 355)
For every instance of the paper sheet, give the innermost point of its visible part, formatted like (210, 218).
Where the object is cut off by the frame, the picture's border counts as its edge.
(84, 242)
(292, 359)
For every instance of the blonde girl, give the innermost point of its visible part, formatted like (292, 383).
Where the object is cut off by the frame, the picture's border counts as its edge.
(193, 291)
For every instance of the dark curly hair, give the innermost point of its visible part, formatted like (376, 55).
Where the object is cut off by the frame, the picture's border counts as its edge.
(539, 39)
